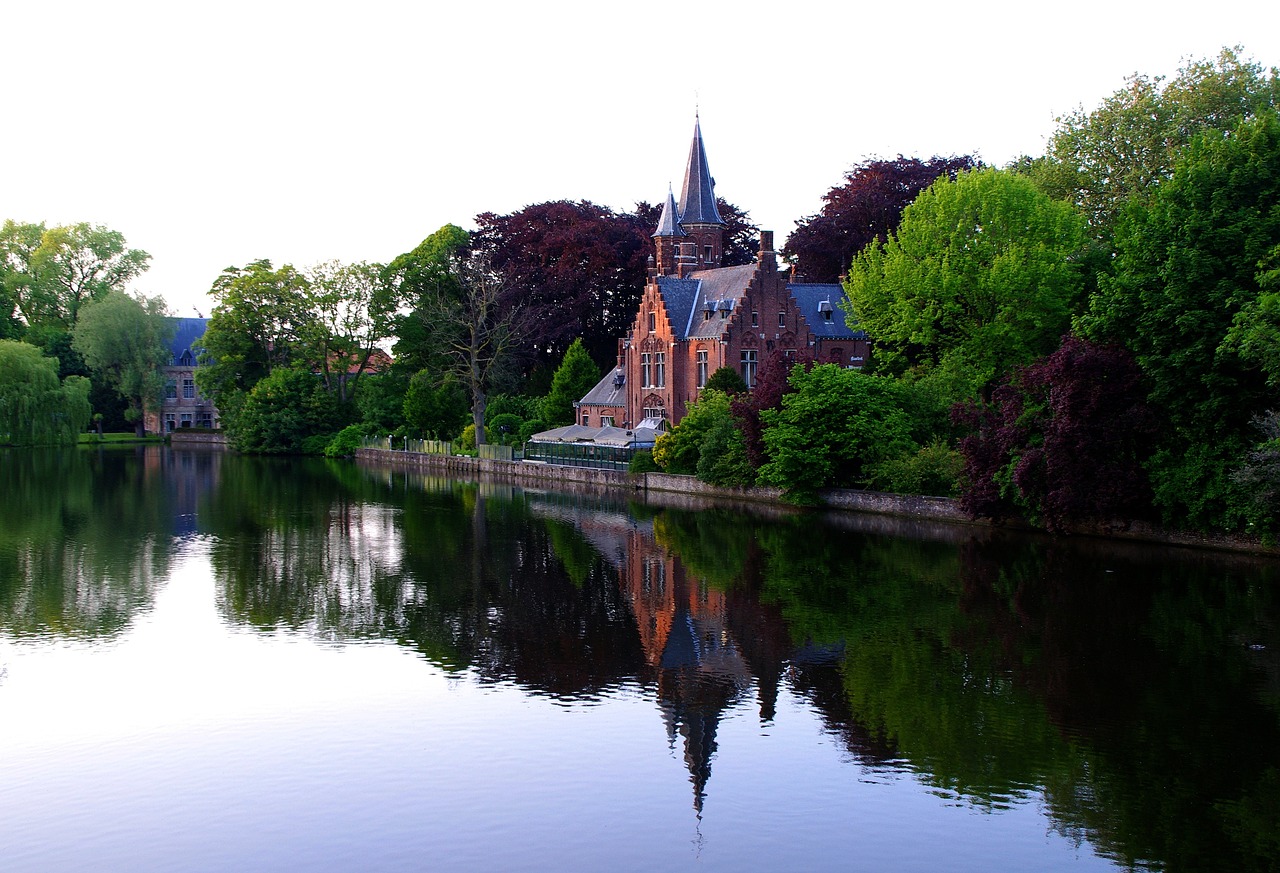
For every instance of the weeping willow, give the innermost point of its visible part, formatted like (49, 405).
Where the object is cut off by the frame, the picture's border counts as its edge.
(35, 408)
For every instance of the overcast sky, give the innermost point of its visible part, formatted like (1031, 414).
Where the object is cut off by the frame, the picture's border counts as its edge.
(214, 134)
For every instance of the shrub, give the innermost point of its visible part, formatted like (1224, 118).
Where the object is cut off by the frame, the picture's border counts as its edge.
(346, 441)
(642, 462)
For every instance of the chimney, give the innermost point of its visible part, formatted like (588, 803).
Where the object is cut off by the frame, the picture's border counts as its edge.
(766, 254)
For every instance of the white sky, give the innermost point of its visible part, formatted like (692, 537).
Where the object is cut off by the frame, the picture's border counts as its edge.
(214, 134)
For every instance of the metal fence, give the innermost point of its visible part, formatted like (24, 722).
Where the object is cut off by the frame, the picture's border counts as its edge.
(495, 452)
(580, 455)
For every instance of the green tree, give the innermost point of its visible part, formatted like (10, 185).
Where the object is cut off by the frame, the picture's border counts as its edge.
(679, 449)
(435, 406)
(47, 274)
(727, 381)
(979, 279)
(463, 321)
(576, 375)
(833, 430)
(262, 319)
(1102, 159)
(1186, 293)
(354, 306)
(281, 412)
(126, 341)
(35, 408)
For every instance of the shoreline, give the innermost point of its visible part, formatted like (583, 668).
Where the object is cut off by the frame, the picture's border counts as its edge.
(671, 490)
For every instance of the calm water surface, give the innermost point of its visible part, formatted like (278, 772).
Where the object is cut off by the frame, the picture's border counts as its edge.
(210, 662)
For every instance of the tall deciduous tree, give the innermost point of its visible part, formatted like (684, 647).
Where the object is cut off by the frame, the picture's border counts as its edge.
(126, 341)
(354, 306)
(462, 313)
(1102, 159)
(866, 208)
(35, 408)
(577, 268)
(262, 319)
(1186, 291)
(978, 279)
(49, 273)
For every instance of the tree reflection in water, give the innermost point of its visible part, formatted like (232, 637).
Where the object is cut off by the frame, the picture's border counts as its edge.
(1133, 692)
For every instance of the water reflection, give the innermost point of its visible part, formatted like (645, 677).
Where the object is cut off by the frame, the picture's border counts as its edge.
(85, 535)
(1134, 693)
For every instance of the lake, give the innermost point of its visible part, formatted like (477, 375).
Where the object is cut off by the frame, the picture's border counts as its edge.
(214, 662)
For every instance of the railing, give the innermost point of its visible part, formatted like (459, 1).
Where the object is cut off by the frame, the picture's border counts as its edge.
(495, 452)
(376, 442)
(428, 447)
(580, 455)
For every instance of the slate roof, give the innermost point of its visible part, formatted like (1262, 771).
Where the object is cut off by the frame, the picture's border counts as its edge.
(609, 391)
(810, 298)
(668, 224)
(686, 299)
(185, 345)
(698, 196)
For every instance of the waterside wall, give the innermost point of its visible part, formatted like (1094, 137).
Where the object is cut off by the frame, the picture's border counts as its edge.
(667, 489)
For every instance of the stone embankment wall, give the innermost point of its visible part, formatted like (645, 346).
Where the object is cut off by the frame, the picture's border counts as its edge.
(666, 489)
(933, 508)
(185, 437)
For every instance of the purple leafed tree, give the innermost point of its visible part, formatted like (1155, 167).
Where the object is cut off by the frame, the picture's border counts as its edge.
(1064, 440)
(866, 207)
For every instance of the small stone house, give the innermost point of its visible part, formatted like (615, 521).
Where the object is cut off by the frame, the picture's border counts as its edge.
(182, 405)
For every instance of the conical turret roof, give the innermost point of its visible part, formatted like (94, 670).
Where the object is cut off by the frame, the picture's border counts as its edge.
(698, 196)
(669, 223)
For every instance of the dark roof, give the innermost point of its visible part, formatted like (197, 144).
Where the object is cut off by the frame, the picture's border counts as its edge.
(667, 225)
(186, 338)
(609, 391)
(685, 299)
(698, 196)
(812, 299)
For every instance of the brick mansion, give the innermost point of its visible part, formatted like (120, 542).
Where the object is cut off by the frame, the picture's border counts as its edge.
(696, 315)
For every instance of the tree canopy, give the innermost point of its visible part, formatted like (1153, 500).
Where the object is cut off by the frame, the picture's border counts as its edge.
(866, 208)
(464, 319)
(978, 279)
(1102, 159)
(126, 341)
(47, 274)
(35, 408)
(1190, 286)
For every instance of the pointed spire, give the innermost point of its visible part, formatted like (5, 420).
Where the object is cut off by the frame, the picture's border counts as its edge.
(669, 223)
(698, 196)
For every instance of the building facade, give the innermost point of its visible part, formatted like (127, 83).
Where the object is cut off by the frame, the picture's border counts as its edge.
(697, 316)
(182, 405)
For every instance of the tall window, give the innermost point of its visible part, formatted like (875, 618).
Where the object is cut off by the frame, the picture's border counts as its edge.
(653, 322)
(755, 318)
(749, 367)
(660, 365)
(702, 368)
(707, 254)
(782, 319)
(171, 390)
(646, 370)
(188, 389)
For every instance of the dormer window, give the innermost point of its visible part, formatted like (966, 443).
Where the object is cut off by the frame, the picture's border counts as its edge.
(826, 310)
